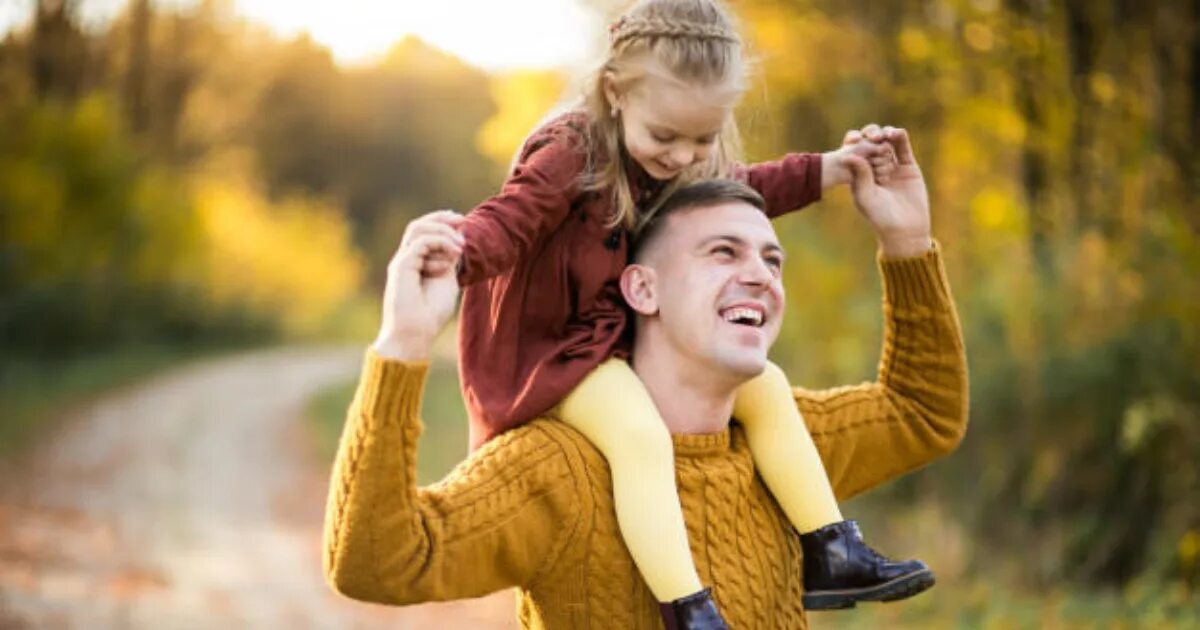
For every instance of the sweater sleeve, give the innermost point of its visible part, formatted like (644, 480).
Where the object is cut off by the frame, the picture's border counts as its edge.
(786, 184)
(494, 522)
(533, 202)
(916, 410)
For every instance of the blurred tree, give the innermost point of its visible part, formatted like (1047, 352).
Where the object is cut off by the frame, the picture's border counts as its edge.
(395, 141)
(91, 235)
(138, 67)
(415, 116)
(292, 261)
(58, 50)
(522, 99)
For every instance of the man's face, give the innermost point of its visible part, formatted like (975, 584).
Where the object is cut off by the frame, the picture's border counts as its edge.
(717, 287)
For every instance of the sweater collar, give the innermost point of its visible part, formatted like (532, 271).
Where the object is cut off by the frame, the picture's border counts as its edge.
(701, 444)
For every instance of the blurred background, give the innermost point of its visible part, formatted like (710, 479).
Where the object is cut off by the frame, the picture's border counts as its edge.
(198, 198)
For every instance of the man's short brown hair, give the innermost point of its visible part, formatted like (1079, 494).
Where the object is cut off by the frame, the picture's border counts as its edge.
(700, 194)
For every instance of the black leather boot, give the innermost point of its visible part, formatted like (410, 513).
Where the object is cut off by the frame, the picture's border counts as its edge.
(840, 570)
(694, 612)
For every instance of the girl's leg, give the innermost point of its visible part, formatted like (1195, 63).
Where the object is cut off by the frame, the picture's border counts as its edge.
(612, 409)
(784, 451)
(840, 569)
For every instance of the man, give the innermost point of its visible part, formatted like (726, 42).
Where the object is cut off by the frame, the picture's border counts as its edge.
(533, 507)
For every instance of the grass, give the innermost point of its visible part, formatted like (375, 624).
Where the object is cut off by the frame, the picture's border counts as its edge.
(35, 393)
(444, 441)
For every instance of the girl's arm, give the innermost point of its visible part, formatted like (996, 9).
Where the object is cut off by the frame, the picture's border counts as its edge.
(798, 179)
(786, 184)
(532, 204)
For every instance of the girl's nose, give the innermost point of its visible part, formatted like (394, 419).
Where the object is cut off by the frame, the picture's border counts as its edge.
(683, 157)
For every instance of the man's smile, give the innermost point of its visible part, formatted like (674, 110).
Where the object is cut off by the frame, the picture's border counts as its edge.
(745, 314)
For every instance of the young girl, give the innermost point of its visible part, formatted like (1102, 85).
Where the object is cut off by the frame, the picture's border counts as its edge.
(543, 323)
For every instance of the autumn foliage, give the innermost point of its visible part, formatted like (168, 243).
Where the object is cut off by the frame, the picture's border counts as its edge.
(182, 175)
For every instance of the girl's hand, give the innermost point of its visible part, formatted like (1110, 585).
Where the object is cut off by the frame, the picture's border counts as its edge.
(878, 153)
(876, 150)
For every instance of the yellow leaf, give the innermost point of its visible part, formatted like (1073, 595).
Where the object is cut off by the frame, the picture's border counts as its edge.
(914, 44)
(979, 36)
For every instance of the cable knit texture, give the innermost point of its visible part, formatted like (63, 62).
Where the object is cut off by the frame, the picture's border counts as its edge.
(533, 508)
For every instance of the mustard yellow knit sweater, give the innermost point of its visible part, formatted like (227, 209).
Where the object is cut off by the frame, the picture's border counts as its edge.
(533, 508)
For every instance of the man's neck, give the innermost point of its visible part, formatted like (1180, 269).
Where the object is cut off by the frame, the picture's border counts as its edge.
(689, 403)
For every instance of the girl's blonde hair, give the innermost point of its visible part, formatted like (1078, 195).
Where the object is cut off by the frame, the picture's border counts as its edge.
(696, 41)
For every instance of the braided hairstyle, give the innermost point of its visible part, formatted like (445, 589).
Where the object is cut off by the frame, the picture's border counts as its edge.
(629, 28)
(697, 42)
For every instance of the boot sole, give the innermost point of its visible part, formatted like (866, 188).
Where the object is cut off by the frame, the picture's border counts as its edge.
(902, 587)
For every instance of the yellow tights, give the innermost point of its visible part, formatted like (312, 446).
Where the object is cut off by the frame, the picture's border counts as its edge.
(613, 410)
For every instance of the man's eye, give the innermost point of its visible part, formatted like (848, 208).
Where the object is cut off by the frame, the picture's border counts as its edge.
(774, 263)
(723, 251)
(662, 139)
(707, 140)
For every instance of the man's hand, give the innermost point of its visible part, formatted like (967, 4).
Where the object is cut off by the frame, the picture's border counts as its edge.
(898, 209)
(422, 287)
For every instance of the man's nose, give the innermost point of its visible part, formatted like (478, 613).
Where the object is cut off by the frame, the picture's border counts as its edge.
(755, 271)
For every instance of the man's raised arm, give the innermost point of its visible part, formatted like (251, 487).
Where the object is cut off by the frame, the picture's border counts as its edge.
(916, 410)
(492, 523)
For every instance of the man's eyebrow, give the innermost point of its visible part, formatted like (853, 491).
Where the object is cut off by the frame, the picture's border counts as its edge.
(723, 237)
(737, 240)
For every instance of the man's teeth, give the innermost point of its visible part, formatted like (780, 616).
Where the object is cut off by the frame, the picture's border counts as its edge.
(743, 316)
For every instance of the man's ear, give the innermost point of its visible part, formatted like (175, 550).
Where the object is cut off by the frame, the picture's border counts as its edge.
(639, 289)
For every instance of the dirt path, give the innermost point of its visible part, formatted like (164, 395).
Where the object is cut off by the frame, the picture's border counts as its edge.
(190, 501)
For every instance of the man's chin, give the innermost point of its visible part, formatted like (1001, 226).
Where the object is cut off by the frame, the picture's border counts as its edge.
(745, 367)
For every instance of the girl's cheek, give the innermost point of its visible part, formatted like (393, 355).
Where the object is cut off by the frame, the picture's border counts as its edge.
(636, 145)
(628, 138)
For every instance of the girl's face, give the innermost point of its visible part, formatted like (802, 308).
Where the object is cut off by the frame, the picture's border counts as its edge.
(669, 125)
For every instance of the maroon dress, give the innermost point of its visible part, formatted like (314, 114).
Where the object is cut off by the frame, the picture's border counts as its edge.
(541, 305)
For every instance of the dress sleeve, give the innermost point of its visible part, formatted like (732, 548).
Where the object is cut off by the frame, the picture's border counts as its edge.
(496, 521)
(916, 410)
(786, 184)
(534, 200)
